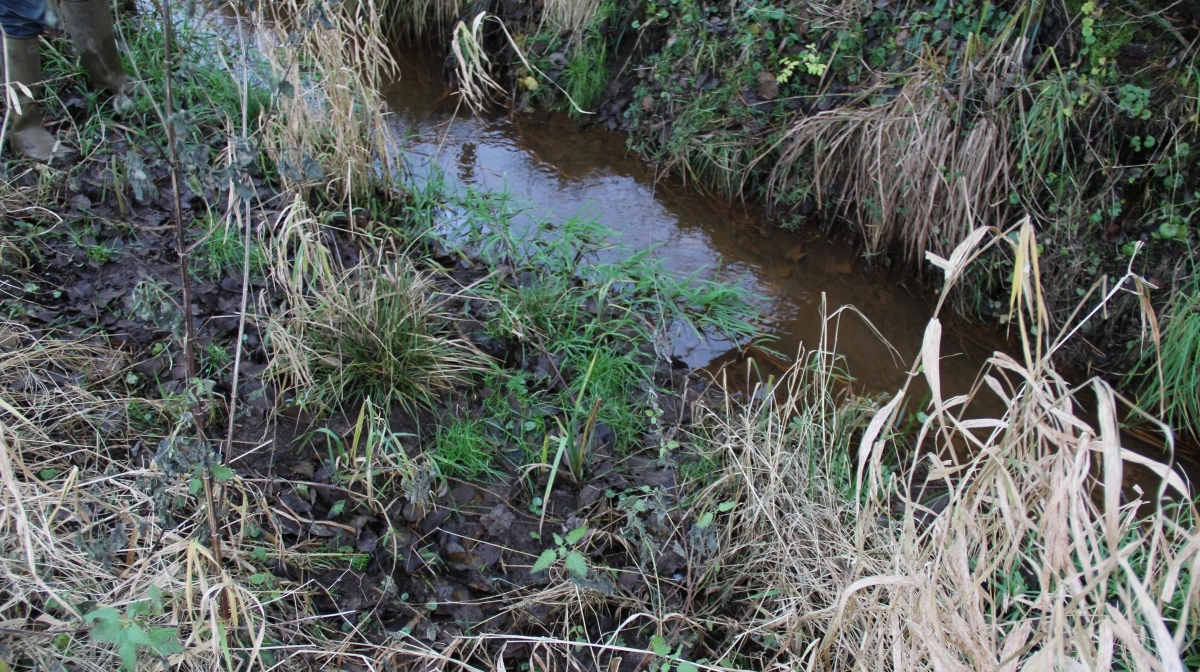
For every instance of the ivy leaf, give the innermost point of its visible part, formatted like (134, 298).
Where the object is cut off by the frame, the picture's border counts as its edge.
(544, 561)
(312, 170)
(576, 564)
(222, 472)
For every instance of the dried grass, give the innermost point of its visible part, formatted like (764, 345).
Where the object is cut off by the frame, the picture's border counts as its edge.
(908, 170)
(1033, 556)
(570, 15)
(329, 61)
(82, 527)
(413, 20)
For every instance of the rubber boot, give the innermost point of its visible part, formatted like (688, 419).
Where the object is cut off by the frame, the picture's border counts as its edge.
(29, 138)
(90, 25)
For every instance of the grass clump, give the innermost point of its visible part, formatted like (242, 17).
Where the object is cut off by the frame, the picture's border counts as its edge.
(464, 449)
(1171, 370)
(381, 334)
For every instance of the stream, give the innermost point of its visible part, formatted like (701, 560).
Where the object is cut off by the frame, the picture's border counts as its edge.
(555, 168)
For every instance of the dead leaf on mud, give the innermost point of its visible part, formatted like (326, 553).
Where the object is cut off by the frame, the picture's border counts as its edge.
(768, 86)
(498, 520)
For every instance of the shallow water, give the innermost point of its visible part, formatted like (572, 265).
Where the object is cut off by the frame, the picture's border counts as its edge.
(556, 168)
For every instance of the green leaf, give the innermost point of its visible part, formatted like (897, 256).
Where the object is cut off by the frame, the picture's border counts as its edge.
(165, 641)
(136, 609)
(659, 645)
(576, 534)
(128, 653)
(48, 474)
(724, 507)
(221, 472)
(705, 520)
(544, 561)
(108, 625)
(576, 564)
(685, 666)
(195, 485)
(135, 635)
(337, 508)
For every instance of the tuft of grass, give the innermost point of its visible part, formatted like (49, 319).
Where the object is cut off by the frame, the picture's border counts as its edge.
(222, 252)
(586, 75)
(464, 449)
(381, 334)
(1170, 371)
(616, 386)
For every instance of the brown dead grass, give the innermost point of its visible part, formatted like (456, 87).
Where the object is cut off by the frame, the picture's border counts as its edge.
(332, 115)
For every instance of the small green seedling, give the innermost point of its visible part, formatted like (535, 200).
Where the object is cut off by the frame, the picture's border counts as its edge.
(572, 559)
(663, 649)
(131, 631)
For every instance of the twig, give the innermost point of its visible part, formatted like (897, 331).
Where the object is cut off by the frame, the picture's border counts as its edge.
(210, 486)
(189, 335)
(237, 351)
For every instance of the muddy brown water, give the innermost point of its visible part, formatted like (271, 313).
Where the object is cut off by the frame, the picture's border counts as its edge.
(555, 168)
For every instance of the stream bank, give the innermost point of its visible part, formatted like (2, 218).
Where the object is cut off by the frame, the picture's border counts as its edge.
(908, 124)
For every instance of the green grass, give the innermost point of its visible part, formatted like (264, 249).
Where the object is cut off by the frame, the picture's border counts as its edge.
(463, 449)
(1178, 390)
(207, 94)
(222, 252)
(586, 74)
(618, 380)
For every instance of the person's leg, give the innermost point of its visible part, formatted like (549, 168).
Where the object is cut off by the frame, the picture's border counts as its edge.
(25, 18)
(22, 22)
(90, 25)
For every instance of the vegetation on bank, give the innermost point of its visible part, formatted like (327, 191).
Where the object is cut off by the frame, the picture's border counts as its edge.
(404, 434)
(909, 124)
